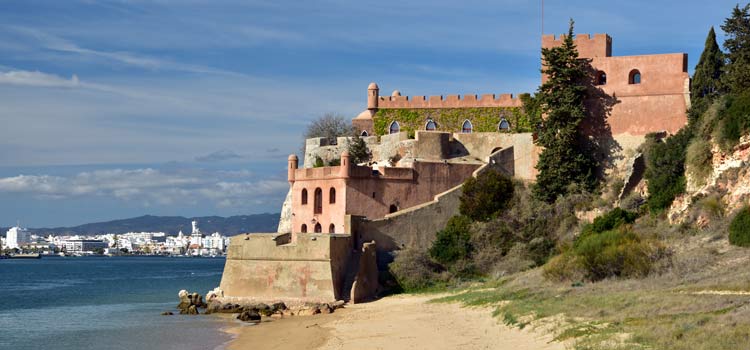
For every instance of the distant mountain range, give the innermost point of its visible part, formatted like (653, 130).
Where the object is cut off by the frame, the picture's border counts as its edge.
(171, 225)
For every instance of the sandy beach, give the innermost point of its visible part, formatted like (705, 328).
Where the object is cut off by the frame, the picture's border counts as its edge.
(396, 322)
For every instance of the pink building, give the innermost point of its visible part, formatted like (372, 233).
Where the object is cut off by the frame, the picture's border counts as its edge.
(322, 197)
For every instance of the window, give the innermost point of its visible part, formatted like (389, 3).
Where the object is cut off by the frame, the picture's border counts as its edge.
(601, 78)
(430, 125)
(304, 196)
(332, 196)
(303, 229)
(504, 125)
(318, 201)
(364, 133)
(394, 128)
(318, 228)
(393, 208)
(331, 228)
(466, 128)
(635, 77)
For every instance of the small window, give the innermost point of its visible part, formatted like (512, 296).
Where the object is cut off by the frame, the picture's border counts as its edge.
(635, 77)
(466, 128)
(303, 229)
(318, 201)
(331, 228)
(332, 196)
(430, 126)
(394, 128)
(364, 133)
(318, 228)
(304, 196)
(393, 208)
(504, 125)
(601, 78)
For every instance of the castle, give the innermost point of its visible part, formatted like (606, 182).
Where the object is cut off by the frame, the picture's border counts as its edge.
(340, 223)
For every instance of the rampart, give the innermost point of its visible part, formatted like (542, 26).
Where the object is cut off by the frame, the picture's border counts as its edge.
(449, 101)
(268, 266)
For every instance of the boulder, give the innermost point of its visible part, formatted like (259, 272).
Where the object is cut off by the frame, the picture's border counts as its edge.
(213, 294)
(192, 310)
(249, 316)
(338, 304)
(279, 306)
(167, 313)
(214, 306)
(184, 300)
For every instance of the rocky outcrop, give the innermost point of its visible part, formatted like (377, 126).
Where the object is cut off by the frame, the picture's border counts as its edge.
(729, 180)
(285, 218)
(190, 303)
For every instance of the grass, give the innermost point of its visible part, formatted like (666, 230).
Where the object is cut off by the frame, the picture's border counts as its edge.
(658, 312)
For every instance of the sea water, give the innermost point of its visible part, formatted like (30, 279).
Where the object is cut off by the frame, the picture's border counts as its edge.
(106, 303)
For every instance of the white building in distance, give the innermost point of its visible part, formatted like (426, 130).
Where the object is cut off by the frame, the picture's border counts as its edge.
(16, 237)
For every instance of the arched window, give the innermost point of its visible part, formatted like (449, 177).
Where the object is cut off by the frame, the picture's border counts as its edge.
(331, 228)
(303, 229)
(393, 208)
(394, 128)
(332, 196)
(634, 77)
(318, 228)
(304, 196)
(430, 126)
(318, 201)
(466, 128)
(504, 125)
(601, 78)
(364, 133)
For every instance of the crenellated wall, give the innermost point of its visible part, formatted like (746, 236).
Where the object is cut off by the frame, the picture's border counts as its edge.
(449, 101)
(599, 45)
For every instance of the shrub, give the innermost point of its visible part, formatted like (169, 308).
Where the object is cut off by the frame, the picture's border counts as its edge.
(665, 169)
(358, 151)
(335, 162)
(319, 162)
(486, 195)
(616, 253)
(414, 270)
(735, 121)
(453, 242)
(739, 229)
(699, 159)
(609, 221)
(563, 267)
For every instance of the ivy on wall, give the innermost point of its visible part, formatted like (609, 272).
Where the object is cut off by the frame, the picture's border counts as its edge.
(483, 119)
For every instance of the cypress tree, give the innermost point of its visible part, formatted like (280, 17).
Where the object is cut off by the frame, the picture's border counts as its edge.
(565, 159)
(705, 85)
(737, 44)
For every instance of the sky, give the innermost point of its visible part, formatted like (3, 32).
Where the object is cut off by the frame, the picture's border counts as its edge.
(114, 109)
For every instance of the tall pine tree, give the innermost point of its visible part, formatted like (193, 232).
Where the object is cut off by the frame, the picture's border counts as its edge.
(564, 159)
(706, 84)
(737, 44)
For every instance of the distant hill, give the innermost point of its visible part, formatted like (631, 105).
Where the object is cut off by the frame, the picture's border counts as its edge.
(171, 225)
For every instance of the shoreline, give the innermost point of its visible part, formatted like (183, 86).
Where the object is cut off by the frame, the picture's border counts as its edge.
(394, 322)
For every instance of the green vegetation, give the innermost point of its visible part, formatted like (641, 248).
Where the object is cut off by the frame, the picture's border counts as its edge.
(737, 44)
(485, 195)
(739, 229)
(705, 85)
(565, 159)
(665, 168)
(358, 152)
(609, 221)
(483, 119)
(453, 242)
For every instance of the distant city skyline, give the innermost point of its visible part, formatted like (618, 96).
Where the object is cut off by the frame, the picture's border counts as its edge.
(114, 109)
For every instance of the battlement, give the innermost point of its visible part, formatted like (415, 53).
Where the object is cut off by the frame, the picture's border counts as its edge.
(600, 45)
(355, 171)
(449, 101)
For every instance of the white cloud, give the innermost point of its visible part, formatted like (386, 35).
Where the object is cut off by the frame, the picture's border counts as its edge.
(151, 186)
(36, 78)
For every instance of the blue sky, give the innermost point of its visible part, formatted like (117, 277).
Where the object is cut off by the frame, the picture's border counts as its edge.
(113, 109)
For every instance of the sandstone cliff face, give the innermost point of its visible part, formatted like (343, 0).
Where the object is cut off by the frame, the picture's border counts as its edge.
(729, 180)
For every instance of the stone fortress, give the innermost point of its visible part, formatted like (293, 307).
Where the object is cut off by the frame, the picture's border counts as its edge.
(341, 223)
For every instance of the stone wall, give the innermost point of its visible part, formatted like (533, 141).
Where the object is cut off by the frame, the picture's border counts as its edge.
(311, 269)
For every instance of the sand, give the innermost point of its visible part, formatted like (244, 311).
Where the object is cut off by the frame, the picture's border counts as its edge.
(396, 322)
